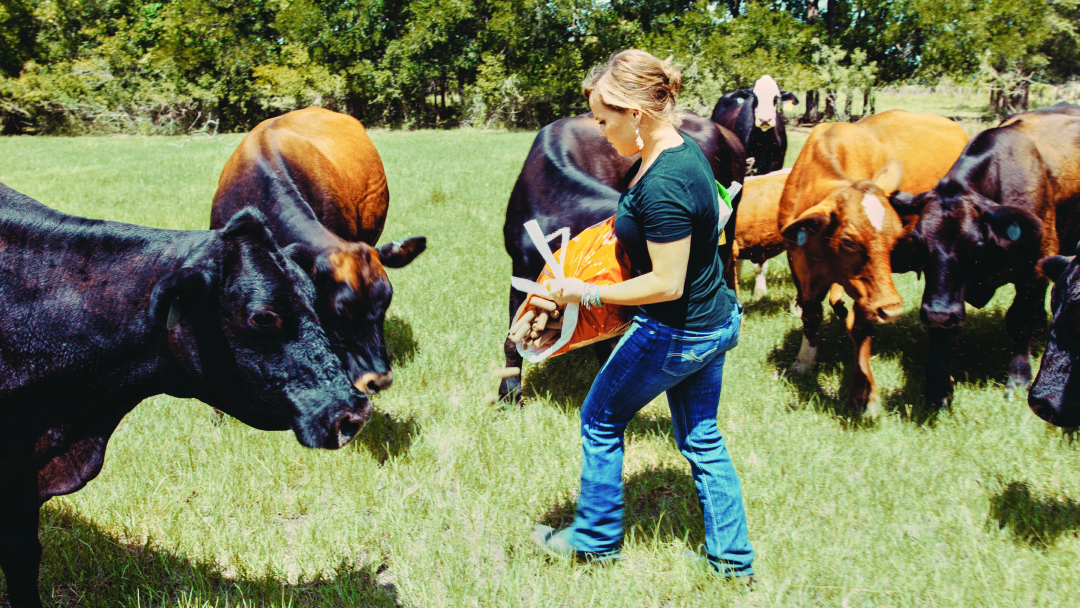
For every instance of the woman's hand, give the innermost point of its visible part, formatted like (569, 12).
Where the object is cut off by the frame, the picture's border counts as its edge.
(566, 291)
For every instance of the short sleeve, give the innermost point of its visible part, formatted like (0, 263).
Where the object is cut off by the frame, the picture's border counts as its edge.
(665, 211)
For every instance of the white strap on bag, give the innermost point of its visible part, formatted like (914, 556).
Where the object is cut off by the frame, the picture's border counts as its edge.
(570, 315)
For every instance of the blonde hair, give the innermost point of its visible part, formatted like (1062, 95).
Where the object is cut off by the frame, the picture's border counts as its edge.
(636, 80)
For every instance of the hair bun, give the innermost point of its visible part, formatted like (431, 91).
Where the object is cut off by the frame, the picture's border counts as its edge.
(672, 76)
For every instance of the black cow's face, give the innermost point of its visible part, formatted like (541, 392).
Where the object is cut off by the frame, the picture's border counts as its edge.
(965, 243)
(1055, 394)
(353, 295)
(251, 335)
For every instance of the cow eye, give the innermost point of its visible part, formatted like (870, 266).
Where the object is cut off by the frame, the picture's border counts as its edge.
(265, 319)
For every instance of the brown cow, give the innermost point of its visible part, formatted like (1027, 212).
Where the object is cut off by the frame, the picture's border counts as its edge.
(840, 227)
(320, 182)
(757, 237)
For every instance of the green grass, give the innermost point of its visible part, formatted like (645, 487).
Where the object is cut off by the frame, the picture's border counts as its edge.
(431, 506)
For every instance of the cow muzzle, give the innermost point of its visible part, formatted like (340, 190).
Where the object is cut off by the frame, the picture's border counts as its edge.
(371, 383)
(947, 318)
(348, 425)
(886, 312)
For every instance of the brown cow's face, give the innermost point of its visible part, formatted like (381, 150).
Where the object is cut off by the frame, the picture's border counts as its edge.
(849, 237)
(353, 295)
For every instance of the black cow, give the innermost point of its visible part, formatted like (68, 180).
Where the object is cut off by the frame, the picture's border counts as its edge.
(1008, 201)
(97, 316)
(1055, 394)
(572, 177)
(753, 115)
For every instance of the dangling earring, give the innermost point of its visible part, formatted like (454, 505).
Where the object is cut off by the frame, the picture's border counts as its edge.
(638, 141)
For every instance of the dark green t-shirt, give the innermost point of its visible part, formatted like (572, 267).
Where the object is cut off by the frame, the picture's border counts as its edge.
(677, 198)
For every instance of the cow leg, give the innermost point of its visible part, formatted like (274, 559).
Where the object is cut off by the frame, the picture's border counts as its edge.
(510, 388)
(1026, 313)
(836, 301)
(939, 393)
(760, 288)
(20, 549)
(864, 394)
(811, 318)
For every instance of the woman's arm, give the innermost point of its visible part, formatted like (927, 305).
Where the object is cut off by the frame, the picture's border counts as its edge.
(663, 284)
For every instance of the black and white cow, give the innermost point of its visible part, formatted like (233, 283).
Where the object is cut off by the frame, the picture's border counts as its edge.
(754, 116)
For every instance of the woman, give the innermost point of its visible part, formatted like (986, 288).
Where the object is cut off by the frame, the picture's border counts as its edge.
(686, 319)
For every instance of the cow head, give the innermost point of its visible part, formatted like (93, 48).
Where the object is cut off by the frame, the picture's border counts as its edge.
(769, 99)
(965, 244)
(241, 322)
(1055, 394)
(852, 233)
(353, 295)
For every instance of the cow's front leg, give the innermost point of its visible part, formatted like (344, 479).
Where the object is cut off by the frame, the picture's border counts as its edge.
(939, 392)
(20, 549)
(864, 394)
(1025, 315)
(811, 319)
(510, 387)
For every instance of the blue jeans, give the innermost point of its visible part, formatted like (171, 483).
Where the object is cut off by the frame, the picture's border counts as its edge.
(652, 358)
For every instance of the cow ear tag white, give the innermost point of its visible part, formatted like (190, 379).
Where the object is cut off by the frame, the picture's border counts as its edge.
(800, 238)
(1013, 232)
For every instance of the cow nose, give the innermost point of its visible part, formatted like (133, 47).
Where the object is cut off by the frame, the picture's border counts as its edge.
(887, 313)
(350, 422)
(371, 383)
(942, 319)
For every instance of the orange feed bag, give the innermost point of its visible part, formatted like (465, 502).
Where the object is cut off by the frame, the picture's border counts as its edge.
(594, 256)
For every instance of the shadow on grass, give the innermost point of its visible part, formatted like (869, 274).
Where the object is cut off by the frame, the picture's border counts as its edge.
(566, 379)
(386, 437)
(980, 354)
(661, 504)
(1036, 521)
(87, 566)
(401, 345)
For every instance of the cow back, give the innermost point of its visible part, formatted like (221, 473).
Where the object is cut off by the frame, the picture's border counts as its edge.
(838, 154)
(320, 159)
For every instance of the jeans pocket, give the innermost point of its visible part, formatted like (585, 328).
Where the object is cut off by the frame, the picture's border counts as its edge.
(687, 355)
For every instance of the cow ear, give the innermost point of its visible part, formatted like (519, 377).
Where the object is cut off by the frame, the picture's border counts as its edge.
(177, 295)
(809, 223)
(787, 96)
(1054, 265)
(888, 178)
(401, 253)
(249, 222)
(1013, 223)
(905, 203)
(302, 256)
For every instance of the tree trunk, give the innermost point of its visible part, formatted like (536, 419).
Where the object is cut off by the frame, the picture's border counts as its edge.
(812, 14)
(830, 16)
(868, 101)
(811, 116)
(847, 104)
(830, 104)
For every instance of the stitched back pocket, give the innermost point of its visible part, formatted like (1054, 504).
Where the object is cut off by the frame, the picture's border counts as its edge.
(687, 355)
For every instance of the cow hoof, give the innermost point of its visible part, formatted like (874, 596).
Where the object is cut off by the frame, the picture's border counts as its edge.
(510, 392)
(874, 408)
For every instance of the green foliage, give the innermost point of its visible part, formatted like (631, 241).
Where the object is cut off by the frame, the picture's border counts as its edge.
(161, 66)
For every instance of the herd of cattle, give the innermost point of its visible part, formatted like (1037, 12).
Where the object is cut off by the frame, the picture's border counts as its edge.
(275, 315)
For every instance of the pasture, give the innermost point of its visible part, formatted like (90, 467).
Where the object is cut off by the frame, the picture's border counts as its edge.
(431, 506)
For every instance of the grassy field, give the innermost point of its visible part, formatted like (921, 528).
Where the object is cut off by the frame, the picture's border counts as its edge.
(431, 506)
